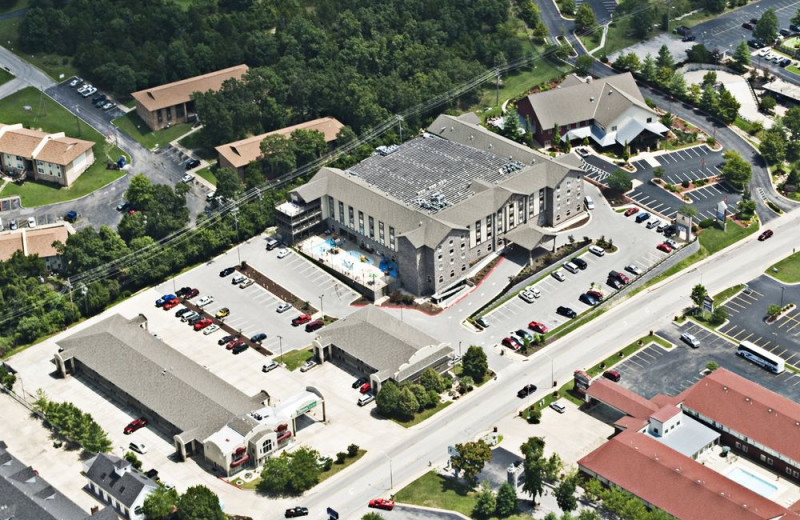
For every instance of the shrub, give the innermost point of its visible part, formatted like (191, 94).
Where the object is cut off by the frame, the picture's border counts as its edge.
(685, 184)
(352, 450)
(711, 141)
(340, 457)
(712, 365)
(706, 223)
(535, 416)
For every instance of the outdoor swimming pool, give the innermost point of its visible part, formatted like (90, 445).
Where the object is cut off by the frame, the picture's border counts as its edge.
(752, 482)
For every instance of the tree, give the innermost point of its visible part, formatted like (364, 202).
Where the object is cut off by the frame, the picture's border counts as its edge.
(642, 22)
(620, 180)
(372, 516)
(709, 99)
(352, 450)
(199, 503)
(584, 18)
(736, 170)
(593, 490)
(466, 384)
(773, 146)
(160, 503)
(7, 379)
(791, 120)
(565, 495)
(471, 458)
(664, 58)
(795, 20)
(583, 64)
(511, 127)
(388, 398)
(718, 315)
(767, 104)
(431, 380)
(290, 473)
(698, 295)
(133, 459)
(485, 502)
(773, 310)
(699, 54)
(689, 211)
(568, 7)
(275, 475)
(766, 28)
(741, 54)
(506, 497)
(278, 156)
(308, 145)
(589, 514)
(648, 71)
(229, 184)
(677, 85)
(407, 404)
(475, 364)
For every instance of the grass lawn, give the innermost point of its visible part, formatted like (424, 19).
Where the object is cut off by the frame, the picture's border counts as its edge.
(714, 239)
(788, 269)
(335, 468)
(207, 175)
(49, 116)
(727, 293)
(514, 85)
(5, 76)
(193, 142)
(793, 69)
(592, 40)
(424, 414)
(295, 358)
(618, 37)
(133, 125)
(52, 64)
(434, 490)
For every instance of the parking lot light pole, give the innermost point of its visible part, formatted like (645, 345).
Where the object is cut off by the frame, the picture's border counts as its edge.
(280, 346)
(552, 370)
(321, 309)
(459, 349)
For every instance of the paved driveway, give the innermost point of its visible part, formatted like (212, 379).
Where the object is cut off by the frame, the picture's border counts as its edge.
(603, 9)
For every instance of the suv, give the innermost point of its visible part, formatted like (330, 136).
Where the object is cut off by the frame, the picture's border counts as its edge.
(612, 375)
(653, 223)
(588, 299)
(239, 278)
(314, 325)
(569, 266)
(690, 340)
(580, 262)
(641, 217)
(560, 408)
(272, 244)
(619, 276)
(299, 320)
(597, 250)
(366, 399)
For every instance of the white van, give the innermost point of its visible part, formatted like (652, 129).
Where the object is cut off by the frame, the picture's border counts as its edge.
(569, 266)
(365, 399)
(272, 244)
(597, 250)
(589, 202)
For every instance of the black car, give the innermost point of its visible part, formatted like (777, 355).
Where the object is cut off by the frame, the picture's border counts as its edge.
(526, 391)
(98, 97)
(226, 339)
(194, 320)
(258, 337)
(580, 262)
(192, 163)
(670, 231)
(689, 38)
(785, 32)
(238, 349)
(566, 311)
(616, 284)
(123, 206)
(225, 272)
(682, 30)
(588, 299)
(784, 62)
(181, 312)
(359, 382)
(183, 291)
(296, 511)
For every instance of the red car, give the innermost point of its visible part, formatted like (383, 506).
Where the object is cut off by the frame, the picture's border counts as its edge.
(192, 294)
(765, 235)
(511, 343)
(597, 295)
(664, 247)
(382, 503)
(171, 304)
(235, 343)
(303, 318)
(631, 211)
(365, 388)
(622, 278)
(535, 326)
(205, 322)
(134, 425)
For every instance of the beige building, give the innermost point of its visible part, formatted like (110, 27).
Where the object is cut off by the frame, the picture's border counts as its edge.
(36, 241)
(45, 157)
(239, 154)
(171, 104)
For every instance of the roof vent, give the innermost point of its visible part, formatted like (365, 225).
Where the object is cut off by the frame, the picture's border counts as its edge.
(591, 99)
(747, 399)
(725, 388)
(769, 410)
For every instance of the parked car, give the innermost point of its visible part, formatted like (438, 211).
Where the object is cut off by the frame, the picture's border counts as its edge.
(785, 32)
(225, 272)
(247, 283)
(482, 321)
(187, 178)
(134, 425)
(631, 211)
(88, 92)
(566, 311)
(359, 382)
(580, 262)
(257, 338)
(569, 266)
(534, 291)
(748, 26)
(653, 223)
(523, 335)
(597, 250)
(785, 62)
(71, 216)
(108, 105)
(690, 340)
(283, 307)
(205, 300)
(75, 81)
(619, 276)
(181, 312)
(366, 399)
(671, 243)
(225, 339)
(511, 343)
(664, 247)
(765, 235)
(195, 320)
(239, 278)
(560, 408)
(538, 327)
(365, 388)
(283, 253)
(223, 312)
(559, 275)
(233, 344)
(589, 202)
(183, 291)
(526, 390)
(269, 367)
(527, 296)
(300, 320)
(616, 284)
(192, 294)
(641, 217)
(241, 347)
(308, 365)
(689, 38)
(12, 225)
(597, 295)
(31, 222)
(633, 269)
(164, 299)
(382, 503)
(211, 329)
(99, 97)
(192, 163)
(138, 447)
(662, 227)
(123, 206)
(612, 375)
(171, 304)
(314, 325)
(587, 299)
(186, 317)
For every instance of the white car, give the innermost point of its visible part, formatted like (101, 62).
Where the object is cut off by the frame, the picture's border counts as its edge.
(597, 250)
(633, 269)
(269, 367)
(589, 202)
(690, 340)
(308, 365)
(205, 300)
(283, 307)
(559, 275)
(245, 284)
(283, 253)
(84, 88)
(31, 222)
(211, 328)
(763, 52)
(534, 291)
(75, 82)
(671, 243)
(88, 92)
(527, 296)
(187, 178)
(138, 447)
(558, 407)
(653, 223)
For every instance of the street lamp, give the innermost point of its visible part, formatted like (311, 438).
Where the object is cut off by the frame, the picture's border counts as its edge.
(391, 474)
(280, 346)
(321, 308)
(552, 370)
(459, 349)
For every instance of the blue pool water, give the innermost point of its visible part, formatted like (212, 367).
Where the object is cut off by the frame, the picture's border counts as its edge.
(323, 247)
(752, 482)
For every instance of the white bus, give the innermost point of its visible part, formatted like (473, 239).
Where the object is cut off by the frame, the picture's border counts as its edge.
(761, 357)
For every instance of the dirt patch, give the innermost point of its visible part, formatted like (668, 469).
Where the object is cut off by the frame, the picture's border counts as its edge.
(276, 289)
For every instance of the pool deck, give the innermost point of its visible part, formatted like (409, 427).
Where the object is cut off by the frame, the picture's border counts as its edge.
(361, 272)
(787, 494)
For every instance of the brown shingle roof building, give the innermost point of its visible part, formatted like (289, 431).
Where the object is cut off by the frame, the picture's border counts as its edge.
(239, 154)
(169, 104)
(36, 241)
(47, 157)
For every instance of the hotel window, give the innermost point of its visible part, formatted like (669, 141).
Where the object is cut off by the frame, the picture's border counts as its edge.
(350, 218)
(489, 227)
(331, 208)
(649, 119)
(341, 212)
(381, 239)
(477, 232)
(452, 273)
(266, 447)
(569, 186)
(463, 267)
(371, 228)
(361, 222)
(391, 238)
(441, 279)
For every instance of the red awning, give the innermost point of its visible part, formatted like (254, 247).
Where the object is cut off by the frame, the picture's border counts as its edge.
(285, 435)
(239, 462)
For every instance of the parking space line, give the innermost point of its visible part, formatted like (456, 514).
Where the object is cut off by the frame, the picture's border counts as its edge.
(731, 302)
(729, 330)
(787, 360)
(748, 336)
(630, 360)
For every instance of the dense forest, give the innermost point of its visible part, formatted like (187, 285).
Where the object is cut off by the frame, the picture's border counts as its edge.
(356, 60)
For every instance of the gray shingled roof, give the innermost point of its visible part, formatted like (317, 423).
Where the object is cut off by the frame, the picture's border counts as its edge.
(391, 347)
(24, 495)
(195, 401)
(127, 487)
(602, 100)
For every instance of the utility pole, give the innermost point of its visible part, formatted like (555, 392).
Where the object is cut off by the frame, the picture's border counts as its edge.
(235, 213)
(497, 88)
(280, 346)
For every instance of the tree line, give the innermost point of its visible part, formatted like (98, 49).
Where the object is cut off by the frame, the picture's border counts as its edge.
(73, 424)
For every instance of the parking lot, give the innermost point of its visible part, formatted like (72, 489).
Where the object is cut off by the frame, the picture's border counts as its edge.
(655, 370)
(603, 9)
(77, 104)
(747, 313)
(688, 164)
